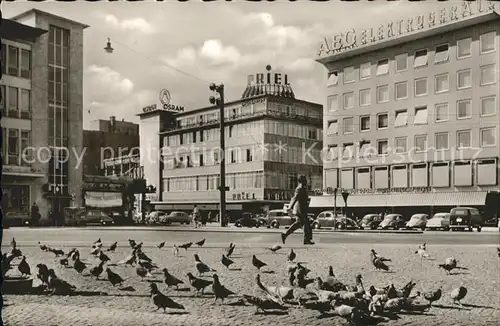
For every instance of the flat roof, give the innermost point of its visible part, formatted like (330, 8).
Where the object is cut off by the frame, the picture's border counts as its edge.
(41, 12)
(13, 30)
(419, 34)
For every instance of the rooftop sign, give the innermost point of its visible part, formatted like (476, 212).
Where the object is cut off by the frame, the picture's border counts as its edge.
(268, 78)
(352, 38)
(165, 104)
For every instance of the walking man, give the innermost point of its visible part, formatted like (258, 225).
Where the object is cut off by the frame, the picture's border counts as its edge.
(35, 214)
(196, 217)
(300, 205)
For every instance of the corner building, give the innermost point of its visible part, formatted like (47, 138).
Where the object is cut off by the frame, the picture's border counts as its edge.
(412, 121)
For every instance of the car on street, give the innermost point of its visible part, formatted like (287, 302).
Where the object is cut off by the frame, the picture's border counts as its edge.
(278, 217)
(250, 220)
(154, 217)
(440, 221)
(417, 221)
(328, 219)
(465, 218)
(371, 221)
(393, 221)
(176, 217)
(95, 216)
(16, 220)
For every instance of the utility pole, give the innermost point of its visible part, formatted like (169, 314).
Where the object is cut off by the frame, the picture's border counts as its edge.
(219, 89)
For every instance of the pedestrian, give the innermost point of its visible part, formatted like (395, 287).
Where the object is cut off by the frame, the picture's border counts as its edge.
(196, 213)
(209, 217)
(35, 214)
(299, 205)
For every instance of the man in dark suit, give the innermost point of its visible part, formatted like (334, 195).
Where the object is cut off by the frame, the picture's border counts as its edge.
(299, 205)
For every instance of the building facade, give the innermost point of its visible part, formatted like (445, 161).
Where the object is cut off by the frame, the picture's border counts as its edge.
(412, 120)
(42, 80)
(271, 138)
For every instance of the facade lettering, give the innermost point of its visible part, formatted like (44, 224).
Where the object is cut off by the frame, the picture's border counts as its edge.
(442, 16)
(350, 38)
(244, 196)
(420, 22)
(381, 32)
(400, 27)
(432, 19)
(330, 191)
(390, 31)
(466, 11)
(409, 25)
(364, 37)
(453, 13)
(337, 42)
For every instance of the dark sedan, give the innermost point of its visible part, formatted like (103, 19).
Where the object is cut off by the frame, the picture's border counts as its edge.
(93, 217)
(249, 220)
(371, 221)
(393, 221)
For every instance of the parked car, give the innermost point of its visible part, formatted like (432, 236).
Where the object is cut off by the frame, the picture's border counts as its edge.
(277, 218)
(176, 217)
(393, 221)
(465, 218)
(154, 217)
(417, 221)
(249, 220)
(439, 221)
(328, 219)
(14, 219)
(371, 221)
(96, 216)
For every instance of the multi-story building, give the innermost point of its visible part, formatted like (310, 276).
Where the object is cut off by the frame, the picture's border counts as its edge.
(111, 125)
(412, 115)
(271, 137)
(42, 93)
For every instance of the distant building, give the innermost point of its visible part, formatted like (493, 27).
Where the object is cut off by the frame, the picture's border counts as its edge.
(111, 125)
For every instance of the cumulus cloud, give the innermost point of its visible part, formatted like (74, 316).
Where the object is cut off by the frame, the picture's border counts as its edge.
(108, 80)
(302, 65)
(133, 24)
(218, 53)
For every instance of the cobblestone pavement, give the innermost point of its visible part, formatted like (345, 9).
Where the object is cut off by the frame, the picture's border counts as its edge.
(120, 307)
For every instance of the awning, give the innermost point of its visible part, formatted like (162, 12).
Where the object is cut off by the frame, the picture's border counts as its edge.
(458, 198)
(103, 199)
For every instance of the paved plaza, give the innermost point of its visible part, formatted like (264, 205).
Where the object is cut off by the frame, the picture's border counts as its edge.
(347, 253)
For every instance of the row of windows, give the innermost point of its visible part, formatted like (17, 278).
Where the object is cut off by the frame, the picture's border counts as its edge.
(420, 116)
(18, 102)
(17, 61)
(119, 169)
(487, 138)
(58, 46)
(288, 180)
(421, 59)
(439, 174)
(400, 89)
(15, 143)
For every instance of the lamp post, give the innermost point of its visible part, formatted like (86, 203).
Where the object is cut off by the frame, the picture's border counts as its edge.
(345, 195)
(335, 202)
(55, 205)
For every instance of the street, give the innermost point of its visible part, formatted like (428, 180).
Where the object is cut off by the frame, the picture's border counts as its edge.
(348, 253)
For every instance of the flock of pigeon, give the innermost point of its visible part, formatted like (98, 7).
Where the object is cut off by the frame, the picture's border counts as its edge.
(354, 303)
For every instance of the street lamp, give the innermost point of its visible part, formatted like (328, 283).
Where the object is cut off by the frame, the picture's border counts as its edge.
(335, 202)
(108, 47)
(345, 195)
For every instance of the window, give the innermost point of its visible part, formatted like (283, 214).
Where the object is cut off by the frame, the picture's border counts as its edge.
(442, 83)
(382, 147)
(333, 128)
(382, 67)
(364, 97)
(487, 137)
(333, 152)
(25, 104)
(2, 99)
(488, 105)
(442, 113)
(233, 156)
(382, 93)
(464, 79)
(442, 53)
(231, 131)
(420, 115)
(382, 121)
(348, 125)
(365, 70)
(401, 118)
(25, 64)
(420, 143)
(487, 75)
(400, 144)
(464, 48)
(463, 139)
(13, 69)
(333, 78)
(13, 146)
(249, 155)
(442, 141)
(348, 100)
(420, 58)
(25, 143)
(348, 150)
(487, 42)
(348, 74)
(13, 102)
(401, 62)
(421, 87)
(333, 103)
(401, 90)
(202, 161)
(364, 123)
(464, 109)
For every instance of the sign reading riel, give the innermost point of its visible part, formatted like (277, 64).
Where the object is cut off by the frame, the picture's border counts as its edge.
(268, 78)
(352, 38)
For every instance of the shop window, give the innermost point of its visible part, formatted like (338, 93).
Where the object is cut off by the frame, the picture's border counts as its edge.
(381, 177)
(487, 172)
(363, 178)
(462, 174)
(347, 179)
(399, 176)
(441, 175)
(419, 175)
(331, 178)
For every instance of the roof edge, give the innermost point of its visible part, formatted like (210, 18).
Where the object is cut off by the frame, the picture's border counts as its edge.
(34, 10)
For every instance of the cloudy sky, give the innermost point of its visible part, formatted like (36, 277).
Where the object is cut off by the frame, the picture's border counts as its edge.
(221, 42)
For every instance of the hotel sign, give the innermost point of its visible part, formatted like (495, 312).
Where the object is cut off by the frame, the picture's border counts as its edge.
(352, 38)
(244, 196)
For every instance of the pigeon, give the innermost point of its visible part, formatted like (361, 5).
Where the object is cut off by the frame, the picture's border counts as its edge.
(138, 246)
(423, 246)
(97, 270)
(200, 243)
(162, 301)
(147, 265)
(71, 252)
(230, 250)
(75, 255)
(58, 285)
(98, 242)
(13, 243)
(175, 250)
(130, 260)
(79, 266)
(142, 256)
(198, 283)
(448, 266)
(132, 243)
(23, 266)
(375, 255)
(142, 272)
(161, 245)
(257, 263)
(43, 247)
(64, 262)
(275, 248)
(171, 280)
(226, 261)
(379, 264)
(113, 246)
(103, 257)
(433, 296)
(264, 303)
(114, 278)
(186, 245)
(422, 253)
(96, 251)
(201, 266)
(291, 255)
(458, 294)
(359, 317)
(331, 283)
(265, 290)
(16, 252)
(43, 273)
(220, 292)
